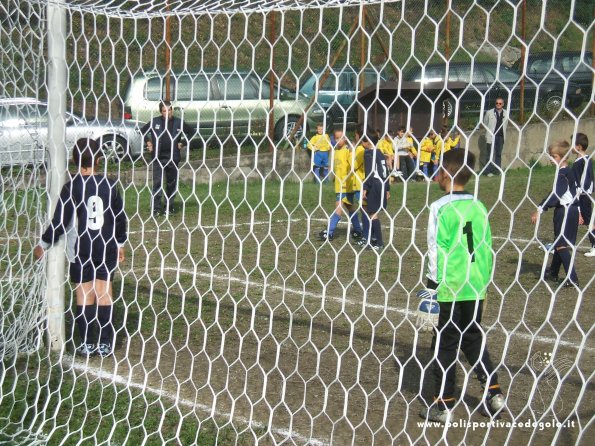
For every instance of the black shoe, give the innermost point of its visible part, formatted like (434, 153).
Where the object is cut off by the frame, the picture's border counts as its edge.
(104, 350)
(157, 213)
(570, 284)
(548, 277)
(356, 235)
(172, 211)
(324, 235)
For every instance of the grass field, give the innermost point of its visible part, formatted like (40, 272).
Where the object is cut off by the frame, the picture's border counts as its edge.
(236, 325)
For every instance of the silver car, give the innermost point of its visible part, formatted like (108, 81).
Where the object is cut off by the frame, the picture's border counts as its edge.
(220, 104)
(24, 133)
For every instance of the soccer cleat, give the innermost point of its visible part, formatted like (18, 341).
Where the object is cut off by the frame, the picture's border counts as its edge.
(375, 247)
(490, 175)
(396, 174)
(434, 414)
(591, 252)
(570, 284)
(86, 350)
(362, 243)
(104, 350)
(356, 235)
(324, 235)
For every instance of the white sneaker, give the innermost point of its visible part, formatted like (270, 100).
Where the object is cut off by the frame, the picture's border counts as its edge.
(591, 252)
(490, 175)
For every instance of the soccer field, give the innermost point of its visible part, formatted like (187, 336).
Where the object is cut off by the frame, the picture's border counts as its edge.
(235, 324)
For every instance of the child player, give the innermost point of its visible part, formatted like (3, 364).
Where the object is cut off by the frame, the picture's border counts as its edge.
(385, 145)
(92, 203)
(426, 153)
(583, 173)
(343, 195)
(320, 145)
(376, 192)
(460, 263)
(563, 199)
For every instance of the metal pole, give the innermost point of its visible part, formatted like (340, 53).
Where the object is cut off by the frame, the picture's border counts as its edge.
(57, 85)
(522, 96)
(447, 56)
(272, 38)
(167, 54)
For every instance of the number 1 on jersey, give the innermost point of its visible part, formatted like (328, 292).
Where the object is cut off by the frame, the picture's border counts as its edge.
(468, 229)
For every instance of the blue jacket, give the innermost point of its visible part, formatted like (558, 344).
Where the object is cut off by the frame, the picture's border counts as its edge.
(165, 138)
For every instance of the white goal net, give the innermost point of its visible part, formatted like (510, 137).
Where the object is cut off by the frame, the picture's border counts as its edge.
(245, 310)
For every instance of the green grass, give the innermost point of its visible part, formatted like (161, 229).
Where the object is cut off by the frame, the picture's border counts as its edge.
(229, 296)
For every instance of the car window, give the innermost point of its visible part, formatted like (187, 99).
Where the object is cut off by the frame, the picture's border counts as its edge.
(539, 66)
(192, 88)
(235, 88)
(507, 76)
(569, 63)
(16, 115)
(156, 88)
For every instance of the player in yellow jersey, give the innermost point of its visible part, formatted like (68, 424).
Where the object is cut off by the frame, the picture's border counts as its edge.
(344, 196)
(427, 149)
(385, 145)
(320, 145)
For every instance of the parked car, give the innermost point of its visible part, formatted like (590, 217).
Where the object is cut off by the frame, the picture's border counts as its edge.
(338, 95)
(487, 82)
(575, 66)
(218, 104)
(24, 133)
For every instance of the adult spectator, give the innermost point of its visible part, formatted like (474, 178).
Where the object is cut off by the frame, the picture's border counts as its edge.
(495, 122)
(163, 136)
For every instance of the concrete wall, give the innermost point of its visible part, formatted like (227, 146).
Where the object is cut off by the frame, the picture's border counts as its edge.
(522, 147)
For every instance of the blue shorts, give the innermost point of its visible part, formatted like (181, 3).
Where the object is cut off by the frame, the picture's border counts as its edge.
(92, 270)
(321, 159)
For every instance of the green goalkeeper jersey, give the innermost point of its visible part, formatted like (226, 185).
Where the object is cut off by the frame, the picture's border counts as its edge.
(460, 257)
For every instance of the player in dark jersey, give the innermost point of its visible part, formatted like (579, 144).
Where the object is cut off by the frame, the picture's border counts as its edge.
(583, 173)
(564, 200)
(90, 205)
(376, 191)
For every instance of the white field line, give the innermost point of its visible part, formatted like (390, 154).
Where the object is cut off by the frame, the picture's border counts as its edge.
(346, 301)
(322, 220)
(84, 367)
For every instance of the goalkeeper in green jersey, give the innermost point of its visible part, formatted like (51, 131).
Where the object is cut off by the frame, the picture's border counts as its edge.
(460, 267)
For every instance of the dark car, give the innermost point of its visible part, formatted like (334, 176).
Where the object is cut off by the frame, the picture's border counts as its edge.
(575, 66)
(488, 81)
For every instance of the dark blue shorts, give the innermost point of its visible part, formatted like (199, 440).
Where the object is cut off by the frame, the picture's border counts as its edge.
(375, 198)
(93, 270)
(565, 226)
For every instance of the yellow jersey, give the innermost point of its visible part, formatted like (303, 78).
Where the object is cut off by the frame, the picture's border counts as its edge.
(342, 169)
(386, 147)
(451, 143)
(412, 146)
(426, 149)
(359, 169)
(320, 143)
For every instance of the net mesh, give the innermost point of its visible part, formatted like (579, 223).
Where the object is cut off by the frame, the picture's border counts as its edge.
(234, 323)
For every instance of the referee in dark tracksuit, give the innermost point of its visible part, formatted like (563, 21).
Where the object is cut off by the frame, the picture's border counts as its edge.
(163, 136)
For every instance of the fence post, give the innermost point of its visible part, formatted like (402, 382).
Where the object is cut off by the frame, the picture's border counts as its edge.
(57, 166)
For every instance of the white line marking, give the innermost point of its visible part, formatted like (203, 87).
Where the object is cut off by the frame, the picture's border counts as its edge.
(102, 374)
(342, 300)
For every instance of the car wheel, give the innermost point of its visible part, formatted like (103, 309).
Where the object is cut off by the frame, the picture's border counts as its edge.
(114, 148)
(553, 102)
(285, 126)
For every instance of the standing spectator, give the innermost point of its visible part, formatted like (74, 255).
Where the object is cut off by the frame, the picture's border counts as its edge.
(495, 121)
(427, 151)
(404, 153)
(163, 136)
(93, 204)
(583, 172)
